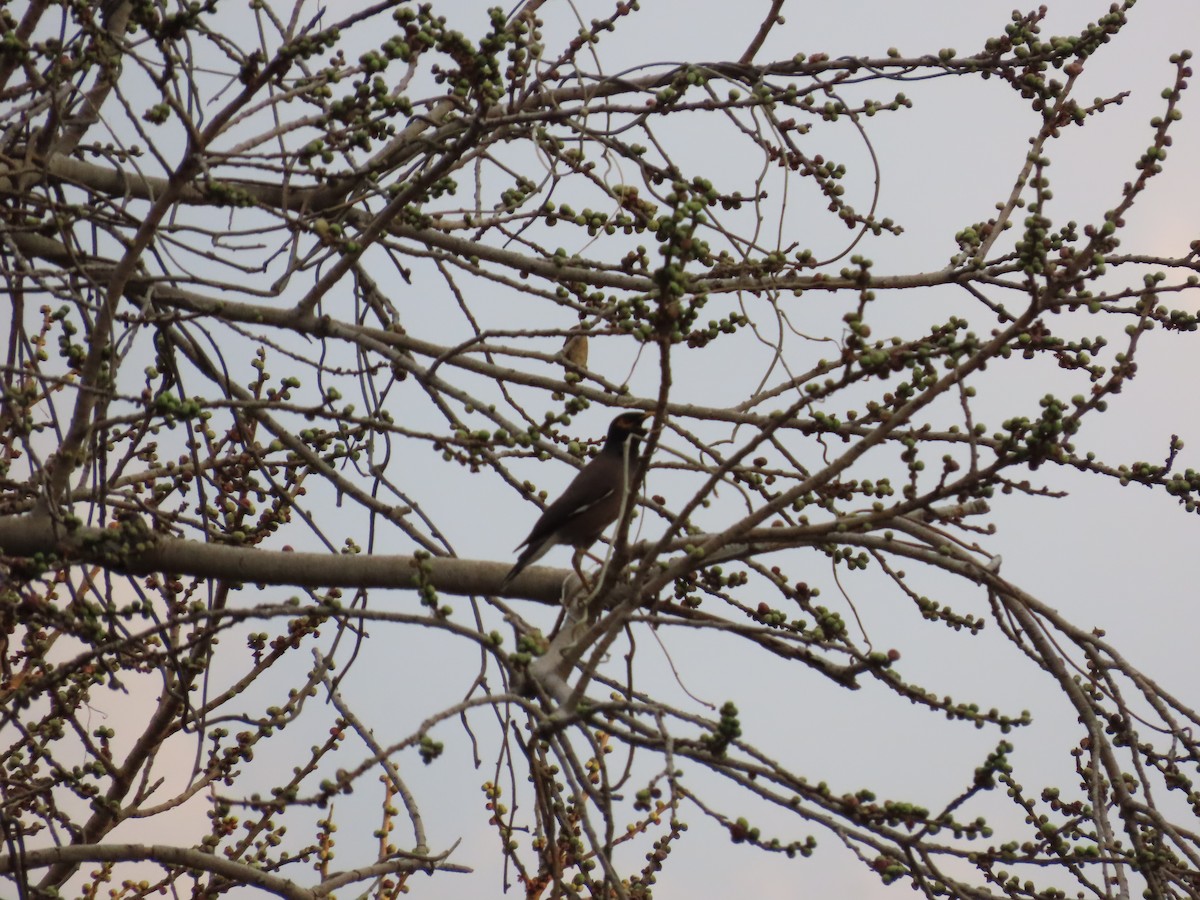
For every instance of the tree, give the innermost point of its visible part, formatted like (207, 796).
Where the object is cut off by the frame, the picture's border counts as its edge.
(302, 300)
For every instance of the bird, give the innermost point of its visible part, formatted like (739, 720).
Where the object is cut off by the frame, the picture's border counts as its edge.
(575, 351)
(591, 502)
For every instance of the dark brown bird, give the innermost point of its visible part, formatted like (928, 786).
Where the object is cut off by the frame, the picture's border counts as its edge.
(591, 502)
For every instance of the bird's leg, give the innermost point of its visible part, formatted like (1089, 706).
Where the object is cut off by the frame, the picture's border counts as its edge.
(576, 563)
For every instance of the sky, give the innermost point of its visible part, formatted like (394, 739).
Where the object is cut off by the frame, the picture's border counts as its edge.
(1114, 558)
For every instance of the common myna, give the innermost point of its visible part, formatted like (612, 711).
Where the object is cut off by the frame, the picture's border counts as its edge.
(591, 502)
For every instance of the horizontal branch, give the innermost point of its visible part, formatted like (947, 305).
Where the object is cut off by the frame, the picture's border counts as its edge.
(197, 860)
(131, 549)
(134, 551)
(185, 857)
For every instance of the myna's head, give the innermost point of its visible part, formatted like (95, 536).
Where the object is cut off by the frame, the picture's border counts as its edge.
(627, 428)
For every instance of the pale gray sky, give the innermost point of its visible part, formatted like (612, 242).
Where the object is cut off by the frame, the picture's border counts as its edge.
(1114, 558)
